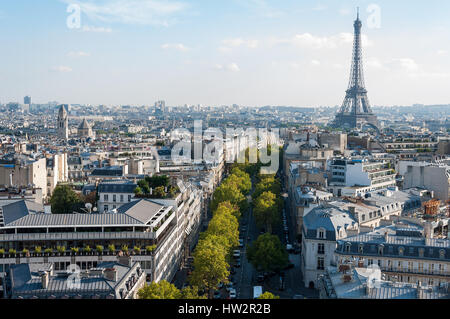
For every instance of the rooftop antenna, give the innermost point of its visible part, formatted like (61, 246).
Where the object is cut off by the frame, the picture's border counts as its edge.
(357, 10)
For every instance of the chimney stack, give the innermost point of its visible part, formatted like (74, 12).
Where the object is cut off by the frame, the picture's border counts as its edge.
(45, 278)
(110, 274)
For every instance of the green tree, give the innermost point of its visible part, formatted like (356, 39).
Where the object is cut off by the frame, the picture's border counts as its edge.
(210, 265)
(225, 224)
(161, 290)
(240, 179)
(268, 295)
(266, 211)
(267, 253)
(159, 192)
(64, 200)
(191, 293)
(229, 193)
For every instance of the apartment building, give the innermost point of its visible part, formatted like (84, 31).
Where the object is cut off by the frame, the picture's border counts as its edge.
(23, 171)
(404, 252)
(354, 177)
(108, 280)
(113, 194)
(434, 177)
(322, 228)
(157, 233)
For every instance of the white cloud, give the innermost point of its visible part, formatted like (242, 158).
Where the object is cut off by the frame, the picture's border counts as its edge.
(88, 28)
(237, 42)
(62, 69)
(442, 52)
(177, 46)
(406, 64)
(232, 67)
(73, 54)
(374, 63)
(310, 41)
(143, 12)
(315, 63)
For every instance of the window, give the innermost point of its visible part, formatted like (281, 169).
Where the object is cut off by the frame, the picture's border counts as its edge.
(106, 208)
(363, 217)
(105, 197)
(442, 254)
(348, 246)
(129, 198)
(361, 248)
(114, 198)
(320, 263)
(321, 233)
(401, 250)
(380, 250)
(121, 198)
(421, 252)
(369, 262)
(321, 249)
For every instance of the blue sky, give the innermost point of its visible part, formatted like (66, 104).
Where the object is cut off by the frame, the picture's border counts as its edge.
(214, 52)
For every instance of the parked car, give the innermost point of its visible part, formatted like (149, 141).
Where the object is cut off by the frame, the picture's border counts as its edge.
(260, 278)
(237, 254)
(232, 294)
(229, 286)
(298, 297)
(217, 294)
(238, 263)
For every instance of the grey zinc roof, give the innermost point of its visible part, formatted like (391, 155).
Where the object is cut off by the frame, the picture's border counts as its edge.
(19, 209)
(135, 213)
(329, 218)
(27, 284)
(126, 188)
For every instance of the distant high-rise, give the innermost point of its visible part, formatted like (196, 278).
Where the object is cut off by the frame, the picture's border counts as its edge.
(63, 122)
(160, 106)
(27, 100)
(356, 111)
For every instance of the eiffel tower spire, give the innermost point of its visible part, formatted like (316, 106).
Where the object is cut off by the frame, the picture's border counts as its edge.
(356, 110)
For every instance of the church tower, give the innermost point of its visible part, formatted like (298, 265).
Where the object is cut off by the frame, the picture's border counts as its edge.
(63, 122)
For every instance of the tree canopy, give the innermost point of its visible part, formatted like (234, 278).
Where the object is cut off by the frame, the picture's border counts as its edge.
(210, 265)
(267, 253)
(160, 290)
(268, 295)
(64, 200)
(266, 211)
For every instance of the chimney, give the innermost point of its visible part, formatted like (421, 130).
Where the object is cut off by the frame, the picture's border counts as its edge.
(45, 279)
(124, 260)
(110, 274)
(428, 230)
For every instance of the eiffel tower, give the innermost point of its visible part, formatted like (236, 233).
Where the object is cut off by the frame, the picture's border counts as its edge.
(356, 111)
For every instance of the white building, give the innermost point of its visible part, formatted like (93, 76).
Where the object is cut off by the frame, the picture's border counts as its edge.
(322, 227)
(434, 177)
(358, 176)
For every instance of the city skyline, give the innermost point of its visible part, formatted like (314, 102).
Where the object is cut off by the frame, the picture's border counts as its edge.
(250, 52)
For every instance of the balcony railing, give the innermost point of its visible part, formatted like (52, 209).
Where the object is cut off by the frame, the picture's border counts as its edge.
(424, 272)
(77, 236)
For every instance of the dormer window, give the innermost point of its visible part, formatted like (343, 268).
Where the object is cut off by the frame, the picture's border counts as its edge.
(361, 248)
(442, 254)
(421, 252)
(348, 247)
(321, 233)
(401, 251)
(380, 250)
